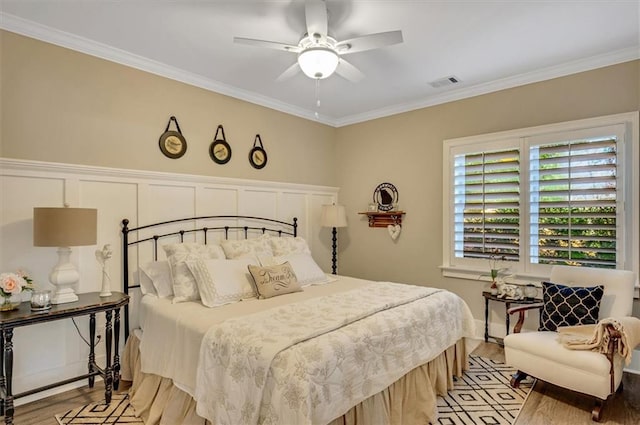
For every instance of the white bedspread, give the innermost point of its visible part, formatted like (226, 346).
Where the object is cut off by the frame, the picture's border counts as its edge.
(309, 362)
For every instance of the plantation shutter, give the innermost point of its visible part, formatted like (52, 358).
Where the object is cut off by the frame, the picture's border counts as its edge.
(573, 202)
(487, 204)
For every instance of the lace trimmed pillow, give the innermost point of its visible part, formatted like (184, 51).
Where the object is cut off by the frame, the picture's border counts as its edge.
(569, 305)
(222, 281)
(247, 248)
(271, 281)
(185, 287)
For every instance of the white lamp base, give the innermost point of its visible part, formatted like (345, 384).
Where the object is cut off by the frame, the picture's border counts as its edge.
(63, 276)
(64, 295)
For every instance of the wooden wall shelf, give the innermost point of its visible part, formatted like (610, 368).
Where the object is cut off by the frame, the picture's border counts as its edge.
(383, 219)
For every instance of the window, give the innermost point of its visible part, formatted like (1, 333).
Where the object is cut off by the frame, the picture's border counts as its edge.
(558, 194)
(573, 202)
(487, 204)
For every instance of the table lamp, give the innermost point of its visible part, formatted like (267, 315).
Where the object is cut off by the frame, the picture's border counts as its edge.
(64, 228)
(334, 216)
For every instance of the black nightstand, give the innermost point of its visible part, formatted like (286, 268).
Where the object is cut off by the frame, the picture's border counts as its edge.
(87, 305)
(507, 301)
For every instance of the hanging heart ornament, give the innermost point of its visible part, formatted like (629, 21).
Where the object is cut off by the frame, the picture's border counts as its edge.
(394, 230)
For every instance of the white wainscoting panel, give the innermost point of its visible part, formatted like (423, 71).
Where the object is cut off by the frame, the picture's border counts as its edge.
(54, 351)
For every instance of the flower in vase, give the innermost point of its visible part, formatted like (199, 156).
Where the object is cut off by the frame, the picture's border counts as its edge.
(14, 283)
(495, 271)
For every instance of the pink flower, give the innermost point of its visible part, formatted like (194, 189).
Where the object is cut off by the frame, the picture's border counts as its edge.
(11, 283)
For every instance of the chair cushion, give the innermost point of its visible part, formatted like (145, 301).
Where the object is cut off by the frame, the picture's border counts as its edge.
(545, 346)
(569, 305)
(539, 354)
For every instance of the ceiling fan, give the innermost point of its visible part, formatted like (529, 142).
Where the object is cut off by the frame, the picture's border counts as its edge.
(320, 55)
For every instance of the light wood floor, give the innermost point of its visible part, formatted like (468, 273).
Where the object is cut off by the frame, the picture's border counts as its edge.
(545, 405)
(548, 404)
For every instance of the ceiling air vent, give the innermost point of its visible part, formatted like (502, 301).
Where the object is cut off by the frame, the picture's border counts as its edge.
(443, 82)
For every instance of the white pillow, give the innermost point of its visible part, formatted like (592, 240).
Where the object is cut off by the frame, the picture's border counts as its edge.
(184, 285)
(247, 248)
(223, 281)
(146, 286)
(158, 274)
(306, 269)
(286, 245)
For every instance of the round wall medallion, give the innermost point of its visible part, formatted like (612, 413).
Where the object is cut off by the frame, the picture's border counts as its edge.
(258, 157)
(220, 150)
(172, 143)
(386, 196)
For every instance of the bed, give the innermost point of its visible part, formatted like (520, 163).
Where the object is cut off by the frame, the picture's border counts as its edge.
(311, 348)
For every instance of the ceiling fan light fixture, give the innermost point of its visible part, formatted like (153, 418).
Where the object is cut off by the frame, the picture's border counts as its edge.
(318, 62)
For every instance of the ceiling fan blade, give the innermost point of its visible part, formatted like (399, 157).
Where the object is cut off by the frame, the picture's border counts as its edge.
(348, 71)
(316, 16)
(268, 44)
(368, 42)
(289, 73)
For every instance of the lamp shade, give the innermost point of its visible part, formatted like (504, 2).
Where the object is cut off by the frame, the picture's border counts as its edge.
(318, 62)
(334, 216)
(64, 227)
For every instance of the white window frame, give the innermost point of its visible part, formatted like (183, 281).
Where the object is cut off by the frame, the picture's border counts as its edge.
(523, 271)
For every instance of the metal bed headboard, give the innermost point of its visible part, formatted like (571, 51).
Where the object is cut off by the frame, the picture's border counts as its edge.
(290, 229)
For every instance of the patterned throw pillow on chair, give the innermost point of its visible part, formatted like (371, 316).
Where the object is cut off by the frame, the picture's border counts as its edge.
(569, 305)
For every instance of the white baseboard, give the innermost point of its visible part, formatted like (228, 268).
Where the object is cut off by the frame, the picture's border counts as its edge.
(634, 366)
(56, 391)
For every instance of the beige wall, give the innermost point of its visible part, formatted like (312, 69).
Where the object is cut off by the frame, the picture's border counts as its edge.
(406, 150)
(63, 106)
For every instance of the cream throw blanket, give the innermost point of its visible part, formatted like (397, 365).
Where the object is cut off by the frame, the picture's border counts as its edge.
(596, 338)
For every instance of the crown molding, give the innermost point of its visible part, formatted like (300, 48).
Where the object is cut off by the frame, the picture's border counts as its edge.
(74, 42)
(556, 71)
(47, 34)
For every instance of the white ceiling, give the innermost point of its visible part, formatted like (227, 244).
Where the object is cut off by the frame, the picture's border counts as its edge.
(488, 45)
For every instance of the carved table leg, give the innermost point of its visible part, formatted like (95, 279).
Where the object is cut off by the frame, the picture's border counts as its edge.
(2, 378)
(92, 345)
(116, 354)
(108, 371)
(486, 320)
(8, 374)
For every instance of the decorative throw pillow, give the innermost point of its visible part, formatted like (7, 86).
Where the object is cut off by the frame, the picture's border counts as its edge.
(286, 245)
(274, 280)
(222, 281)
(184, 284)
(569, 305)
(306, 269)
(158, 273)
(247, 248)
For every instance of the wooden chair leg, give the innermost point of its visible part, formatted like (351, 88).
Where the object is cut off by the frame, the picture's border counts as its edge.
(516, 378)
(596, 413)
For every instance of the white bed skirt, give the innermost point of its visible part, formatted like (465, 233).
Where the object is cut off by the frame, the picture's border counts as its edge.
(410, 400)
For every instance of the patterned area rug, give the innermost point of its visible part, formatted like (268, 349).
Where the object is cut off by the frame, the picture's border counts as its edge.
(118, 412)
(483, 395)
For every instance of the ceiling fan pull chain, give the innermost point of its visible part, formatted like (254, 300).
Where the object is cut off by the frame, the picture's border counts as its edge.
(318, 92)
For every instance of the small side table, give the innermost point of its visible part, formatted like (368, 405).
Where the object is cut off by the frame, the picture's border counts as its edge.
(87, 305)
(507, 302)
